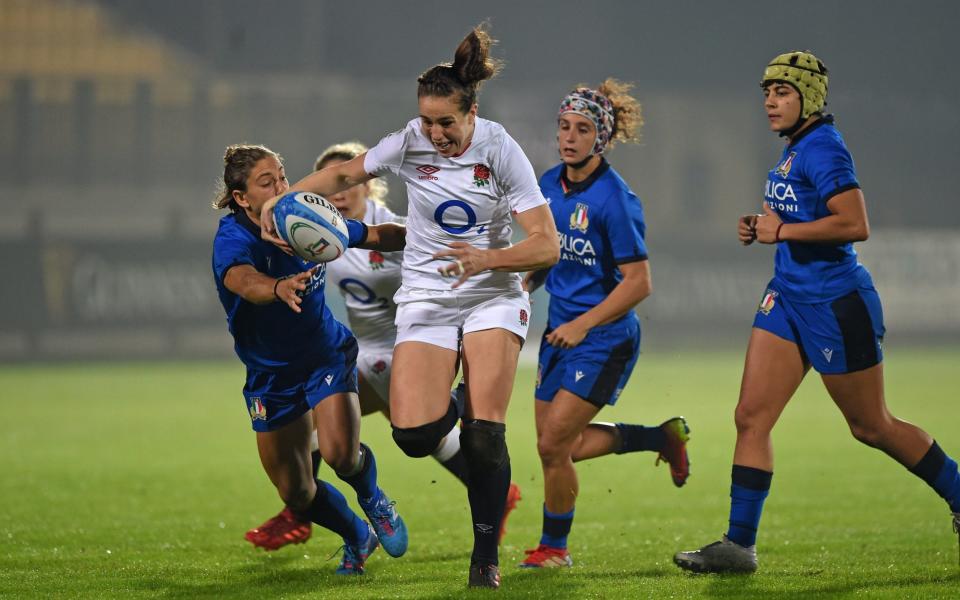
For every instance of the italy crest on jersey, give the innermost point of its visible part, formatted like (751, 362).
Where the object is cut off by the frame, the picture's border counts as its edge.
(258, 412)
(768, 302)
(578, 220)
(783, 169)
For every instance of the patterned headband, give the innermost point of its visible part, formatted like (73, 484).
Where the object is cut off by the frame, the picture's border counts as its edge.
(594, 106)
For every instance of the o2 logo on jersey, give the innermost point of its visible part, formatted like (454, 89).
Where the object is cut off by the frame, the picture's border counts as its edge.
(459, 205)
(362, 293)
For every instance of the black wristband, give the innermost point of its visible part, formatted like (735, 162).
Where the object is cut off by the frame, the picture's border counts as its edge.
(275, 284)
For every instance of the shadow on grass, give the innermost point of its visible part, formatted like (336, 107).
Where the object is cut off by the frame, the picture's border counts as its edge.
(805, 585)
(436, 578)
(285, 576)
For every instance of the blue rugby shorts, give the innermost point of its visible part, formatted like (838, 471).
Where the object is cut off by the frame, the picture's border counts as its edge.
(597, 369)
(275, 399)
(839, 336)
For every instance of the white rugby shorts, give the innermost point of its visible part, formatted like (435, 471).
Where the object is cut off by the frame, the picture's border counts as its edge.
(374, 366)
(440, 317)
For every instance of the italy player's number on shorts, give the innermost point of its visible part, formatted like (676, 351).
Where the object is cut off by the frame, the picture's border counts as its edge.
(459, 205)
(362, 293)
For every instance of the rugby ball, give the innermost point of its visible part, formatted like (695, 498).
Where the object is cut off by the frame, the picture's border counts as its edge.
(312, 226)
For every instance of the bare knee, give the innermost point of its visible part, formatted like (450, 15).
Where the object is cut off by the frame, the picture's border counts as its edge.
(750, 418)
(552, 452)
(871, 432)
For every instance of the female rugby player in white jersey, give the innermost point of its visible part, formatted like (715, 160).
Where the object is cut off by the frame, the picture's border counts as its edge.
(465, 176)
(367, 280)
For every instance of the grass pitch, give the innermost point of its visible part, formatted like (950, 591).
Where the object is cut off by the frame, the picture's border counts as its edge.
(139, 480)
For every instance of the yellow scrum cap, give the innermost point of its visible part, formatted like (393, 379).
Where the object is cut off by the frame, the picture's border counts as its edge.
(803, 71)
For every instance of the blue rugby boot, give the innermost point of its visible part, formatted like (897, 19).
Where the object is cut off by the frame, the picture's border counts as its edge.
(355, 557)
(390, 528)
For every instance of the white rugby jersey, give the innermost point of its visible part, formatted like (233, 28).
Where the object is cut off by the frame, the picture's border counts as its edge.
(467, 198)
(367, 279)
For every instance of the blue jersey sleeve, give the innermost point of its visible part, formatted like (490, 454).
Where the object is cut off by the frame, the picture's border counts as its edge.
(230, 248)
(830, 169)
(625, 227)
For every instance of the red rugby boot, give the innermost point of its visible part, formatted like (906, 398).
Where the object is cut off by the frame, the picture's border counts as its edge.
(283, 529)
(513, 496)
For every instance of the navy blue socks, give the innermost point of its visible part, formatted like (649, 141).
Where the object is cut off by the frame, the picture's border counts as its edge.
(638, 438)
(364, 481)
(556, 528)
(329, 509)
(940, 473)
(748, 490)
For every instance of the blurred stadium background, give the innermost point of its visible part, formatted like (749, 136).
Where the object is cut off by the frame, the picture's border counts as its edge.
(114, 115)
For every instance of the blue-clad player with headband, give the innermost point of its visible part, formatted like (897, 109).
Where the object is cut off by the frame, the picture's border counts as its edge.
(592, 338)
(820, 310)
(300, 363)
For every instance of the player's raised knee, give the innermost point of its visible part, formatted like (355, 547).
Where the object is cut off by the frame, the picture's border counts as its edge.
(869, 433)
(420, 441)
(423, 440)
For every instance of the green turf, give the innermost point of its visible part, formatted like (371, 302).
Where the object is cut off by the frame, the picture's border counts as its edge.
(140, 480)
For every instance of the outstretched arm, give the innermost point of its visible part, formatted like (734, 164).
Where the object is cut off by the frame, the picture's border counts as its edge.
(257, 288)
(386, 237)
(326, 182)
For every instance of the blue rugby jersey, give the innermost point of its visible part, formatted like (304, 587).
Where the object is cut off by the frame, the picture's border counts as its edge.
(600, 223)
(271, 337)
(813, 168)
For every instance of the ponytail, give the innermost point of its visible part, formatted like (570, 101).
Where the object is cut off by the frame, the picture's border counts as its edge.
(471, 66)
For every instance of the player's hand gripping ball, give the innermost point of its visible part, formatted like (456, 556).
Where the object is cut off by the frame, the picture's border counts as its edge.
(311, 225)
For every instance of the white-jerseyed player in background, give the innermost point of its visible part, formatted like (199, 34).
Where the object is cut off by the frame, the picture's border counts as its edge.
(464, 177)
(367, 280)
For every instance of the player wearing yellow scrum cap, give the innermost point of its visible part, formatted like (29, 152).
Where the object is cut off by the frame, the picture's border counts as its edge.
(820, 311)
(805, 73)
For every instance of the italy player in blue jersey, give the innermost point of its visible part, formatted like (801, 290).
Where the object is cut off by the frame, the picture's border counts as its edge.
(368, 280)
(592, 338)
(820, 310)
(300, 363)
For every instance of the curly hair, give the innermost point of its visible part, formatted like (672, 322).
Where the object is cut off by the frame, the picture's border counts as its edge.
(377, 187)
(628, 118)
(471, 66)
(238, 161)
